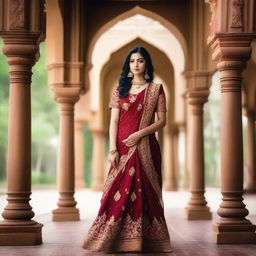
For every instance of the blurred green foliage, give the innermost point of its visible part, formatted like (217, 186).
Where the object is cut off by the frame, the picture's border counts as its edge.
(4, 101)
(88, 156)
(212, 133)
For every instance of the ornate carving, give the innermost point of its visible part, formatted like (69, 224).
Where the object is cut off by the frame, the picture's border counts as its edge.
(212, 4)
(16, 14)
(237, 13)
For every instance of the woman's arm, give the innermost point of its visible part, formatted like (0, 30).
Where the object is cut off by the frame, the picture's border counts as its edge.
(160, 123)
(113, 128)
(135, 137)
(113, 153)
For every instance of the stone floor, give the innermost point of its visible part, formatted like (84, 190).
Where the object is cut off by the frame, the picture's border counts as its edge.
(189, 238)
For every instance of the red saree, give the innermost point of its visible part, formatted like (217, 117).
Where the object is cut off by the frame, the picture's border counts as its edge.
(131, 216)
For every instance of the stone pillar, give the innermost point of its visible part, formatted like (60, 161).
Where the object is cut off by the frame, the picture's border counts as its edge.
(182, 137)
(231, 53)
(196, 208)
(98, 159)
(79, 154)
(170, 174)
(17, 227)
(184, 129)
(22, 29)
(231, 40)
(66, 98)
(251, 153)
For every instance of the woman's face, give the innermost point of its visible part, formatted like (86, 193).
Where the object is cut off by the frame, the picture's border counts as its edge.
(137, 64)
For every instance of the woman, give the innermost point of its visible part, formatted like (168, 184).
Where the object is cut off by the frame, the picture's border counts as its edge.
(131, 216)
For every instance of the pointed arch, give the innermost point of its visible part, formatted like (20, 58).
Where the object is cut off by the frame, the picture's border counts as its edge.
(138, 10)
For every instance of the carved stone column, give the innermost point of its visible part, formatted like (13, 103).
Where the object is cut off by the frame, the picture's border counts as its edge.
(182, 136)
(197, 207)
(17, 227)
(183, 131)
(251, 153)
(79, 154)
(21, 27)
(170, 174)
(66, 98)
(231, 53)
(98, 159)
(231, 42)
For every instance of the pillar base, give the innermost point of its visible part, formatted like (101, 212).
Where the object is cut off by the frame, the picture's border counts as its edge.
(170, 187)
(234, 234)
(97, 188)
(198, 214)
(250, 190)
(66, 214)
(14, 234)
(79, 185)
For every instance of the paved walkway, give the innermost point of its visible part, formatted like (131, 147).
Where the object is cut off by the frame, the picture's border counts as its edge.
(189, 238)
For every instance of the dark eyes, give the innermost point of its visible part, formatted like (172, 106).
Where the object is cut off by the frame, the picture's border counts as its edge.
(139, 60)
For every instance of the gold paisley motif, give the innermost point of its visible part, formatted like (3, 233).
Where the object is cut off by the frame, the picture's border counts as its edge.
(133, 196)
(117, 196)
(126, 106)
(132, 171)
(139, 107)
(132, 98)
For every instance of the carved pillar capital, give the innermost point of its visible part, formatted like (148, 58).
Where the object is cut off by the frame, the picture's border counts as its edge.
(198, 84)
(66, 94)
(66, 74)
(198, 79)
(197, 99)
(235, 47)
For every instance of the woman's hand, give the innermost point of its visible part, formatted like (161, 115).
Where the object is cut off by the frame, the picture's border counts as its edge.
(114, 159)
(133, 139)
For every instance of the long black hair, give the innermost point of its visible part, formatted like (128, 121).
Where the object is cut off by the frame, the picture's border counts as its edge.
(125, 82)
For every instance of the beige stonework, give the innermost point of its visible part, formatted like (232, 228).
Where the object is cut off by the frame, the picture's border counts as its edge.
(21, 45)
(197, 96)
(98, 159)
(79, 155)
(231, 51)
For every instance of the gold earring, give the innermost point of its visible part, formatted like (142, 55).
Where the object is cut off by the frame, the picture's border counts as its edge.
(146, 76)
(130, 74)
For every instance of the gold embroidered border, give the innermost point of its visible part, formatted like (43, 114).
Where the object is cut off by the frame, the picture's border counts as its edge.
(128, 245)
(126, 234)
(122, 162)
(150, 101)
(161, 104)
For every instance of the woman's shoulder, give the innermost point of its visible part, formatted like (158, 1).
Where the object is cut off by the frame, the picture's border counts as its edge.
(159, 86)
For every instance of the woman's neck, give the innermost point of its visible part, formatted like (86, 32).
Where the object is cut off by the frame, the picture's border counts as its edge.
(138, 78)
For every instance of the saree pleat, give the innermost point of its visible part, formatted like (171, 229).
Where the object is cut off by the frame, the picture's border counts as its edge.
(131, 215)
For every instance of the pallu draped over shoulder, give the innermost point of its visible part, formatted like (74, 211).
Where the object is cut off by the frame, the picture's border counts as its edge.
(131, 215)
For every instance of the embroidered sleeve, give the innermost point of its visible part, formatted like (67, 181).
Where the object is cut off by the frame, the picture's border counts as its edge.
(114, 101)
(161, 103)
